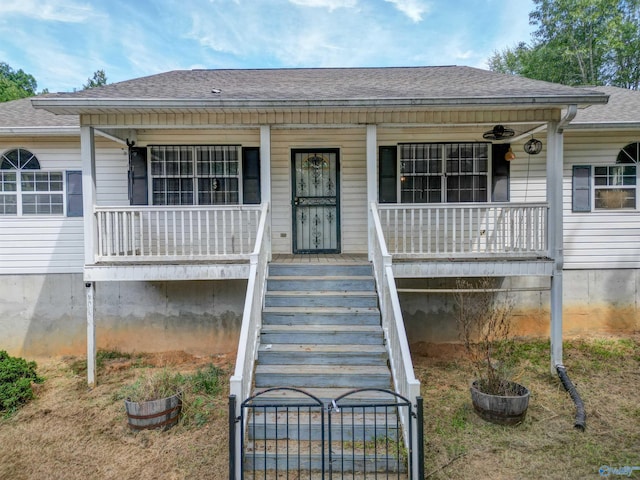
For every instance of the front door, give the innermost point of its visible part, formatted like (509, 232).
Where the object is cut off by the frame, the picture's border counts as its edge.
(316, 202)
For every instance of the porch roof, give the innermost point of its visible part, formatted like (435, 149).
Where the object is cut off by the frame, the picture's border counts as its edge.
(390, 87)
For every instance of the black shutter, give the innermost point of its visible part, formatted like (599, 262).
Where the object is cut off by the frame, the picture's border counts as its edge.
(500, 170)
(251, 175)
(388, 174)
(74, 193)
(138, 176)
(581, 186)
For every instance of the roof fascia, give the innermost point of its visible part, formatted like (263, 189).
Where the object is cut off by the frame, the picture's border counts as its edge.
(59, 105)
(40, 131)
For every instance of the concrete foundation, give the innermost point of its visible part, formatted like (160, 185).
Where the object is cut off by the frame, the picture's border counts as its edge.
(45, 315)
(594, 302)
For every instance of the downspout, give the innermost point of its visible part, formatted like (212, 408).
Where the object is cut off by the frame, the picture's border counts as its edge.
(556, 327)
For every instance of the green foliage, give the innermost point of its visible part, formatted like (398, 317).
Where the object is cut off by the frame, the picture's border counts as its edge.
(585, 42)
(207, 381)
(15, 84)
(200, 392)
(99, 79)
(16, 376)
(483, 318)
(161, 384)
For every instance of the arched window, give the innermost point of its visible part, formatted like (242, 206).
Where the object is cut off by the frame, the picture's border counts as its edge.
(25, 189)
(19, 159)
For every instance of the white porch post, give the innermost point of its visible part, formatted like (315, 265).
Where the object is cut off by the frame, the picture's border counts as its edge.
(372, 181)
(91, 334)
(265, 173)
(88, 154)
(554, 198)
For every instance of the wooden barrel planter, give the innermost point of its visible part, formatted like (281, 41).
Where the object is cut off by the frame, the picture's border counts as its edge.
(162, 413)
(501, 409)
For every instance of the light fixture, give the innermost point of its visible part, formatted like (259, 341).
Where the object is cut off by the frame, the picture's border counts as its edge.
(533, 146)
(509, 155)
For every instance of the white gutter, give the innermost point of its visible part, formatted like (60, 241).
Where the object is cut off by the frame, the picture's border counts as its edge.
(81, 105)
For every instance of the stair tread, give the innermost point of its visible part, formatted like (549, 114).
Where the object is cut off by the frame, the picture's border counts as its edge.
(311, 278)
(322, 348)
(321, 328)
(324, 393)
(323, 310)
(324, 369)
(307, 293)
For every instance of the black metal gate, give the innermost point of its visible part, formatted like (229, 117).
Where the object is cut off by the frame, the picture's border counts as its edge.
(287, 433)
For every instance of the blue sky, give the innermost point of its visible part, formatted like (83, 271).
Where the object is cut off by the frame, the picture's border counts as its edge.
(62, 42)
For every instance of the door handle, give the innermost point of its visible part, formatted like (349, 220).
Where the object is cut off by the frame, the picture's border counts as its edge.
(295, 201)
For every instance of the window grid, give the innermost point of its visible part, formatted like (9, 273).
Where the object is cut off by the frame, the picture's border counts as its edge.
(25, 190)
(615, 187)
(444, 172)
(200, 175)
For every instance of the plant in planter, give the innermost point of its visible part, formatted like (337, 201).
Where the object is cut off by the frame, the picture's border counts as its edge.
(483, 321)
(154, 401)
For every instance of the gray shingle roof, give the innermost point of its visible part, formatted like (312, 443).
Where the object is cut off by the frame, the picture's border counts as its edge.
(623, 108)
(20, 114)
(322, 84)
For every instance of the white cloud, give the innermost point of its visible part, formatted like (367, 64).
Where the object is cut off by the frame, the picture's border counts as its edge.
(49, 10)
(414, 9)
(330, 4)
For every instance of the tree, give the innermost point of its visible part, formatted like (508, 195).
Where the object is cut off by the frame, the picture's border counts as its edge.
(99, 79)
(15, 84)
(579, 42)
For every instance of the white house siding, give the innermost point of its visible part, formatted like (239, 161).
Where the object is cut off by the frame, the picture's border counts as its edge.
(598, 239)
(52, 244)
(353, 183)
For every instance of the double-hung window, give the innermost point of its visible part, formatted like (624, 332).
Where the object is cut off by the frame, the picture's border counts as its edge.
(444, 172)
(25, 189)
(195, 175)
(612, 187)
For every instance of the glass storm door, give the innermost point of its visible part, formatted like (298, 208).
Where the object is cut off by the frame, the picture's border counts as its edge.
(316, 203)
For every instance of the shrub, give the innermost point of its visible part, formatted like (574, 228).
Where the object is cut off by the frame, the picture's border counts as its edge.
(16, 376)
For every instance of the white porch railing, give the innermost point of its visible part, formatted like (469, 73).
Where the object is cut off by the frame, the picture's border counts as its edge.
(405, 382)
(465, 230)
(174, 233)
(242, 379)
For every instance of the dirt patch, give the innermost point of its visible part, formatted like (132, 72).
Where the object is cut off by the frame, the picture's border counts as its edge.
(70, 432)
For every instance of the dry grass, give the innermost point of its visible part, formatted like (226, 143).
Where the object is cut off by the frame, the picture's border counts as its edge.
(69, 432)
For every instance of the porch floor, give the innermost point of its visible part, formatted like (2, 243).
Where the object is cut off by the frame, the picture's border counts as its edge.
(321, 258)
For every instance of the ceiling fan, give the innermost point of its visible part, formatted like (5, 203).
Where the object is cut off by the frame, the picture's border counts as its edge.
(499, 132)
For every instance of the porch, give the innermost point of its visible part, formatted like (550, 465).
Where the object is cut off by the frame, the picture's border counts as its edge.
(208, 242)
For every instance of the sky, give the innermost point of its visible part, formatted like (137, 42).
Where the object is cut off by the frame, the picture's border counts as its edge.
(63, 42)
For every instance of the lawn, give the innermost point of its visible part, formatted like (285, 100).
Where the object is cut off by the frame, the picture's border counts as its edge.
(70, 432)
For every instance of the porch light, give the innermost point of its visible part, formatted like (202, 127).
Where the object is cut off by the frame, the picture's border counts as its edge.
(509, 155)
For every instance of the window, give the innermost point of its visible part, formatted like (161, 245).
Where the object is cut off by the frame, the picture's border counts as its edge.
(444, 172)
(615, 187)
(195, 175)
(25, 189)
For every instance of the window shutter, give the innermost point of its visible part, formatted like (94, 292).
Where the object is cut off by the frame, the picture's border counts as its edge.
(388, 174)
(251, 175)
(74, 193)
(500, 170)
(138, 176)
(581, 197)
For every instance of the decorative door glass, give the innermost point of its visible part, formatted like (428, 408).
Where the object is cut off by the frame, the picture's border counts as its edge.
(316, 225)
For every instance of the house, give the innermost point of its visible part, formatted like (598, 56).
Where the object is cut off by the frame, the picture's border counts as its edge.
(192, 182)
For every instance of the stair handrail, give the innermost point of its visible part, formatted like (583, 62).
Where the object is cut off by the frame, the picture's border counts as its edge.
(404, 379)
(242, 378)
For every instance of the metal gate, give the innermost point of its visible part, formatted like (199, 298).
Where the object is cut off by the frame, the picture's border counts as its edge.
(358, 435)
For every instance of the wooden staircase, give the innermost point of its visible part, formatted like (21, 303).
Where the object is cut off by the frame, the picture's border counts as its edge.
(321, 333)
